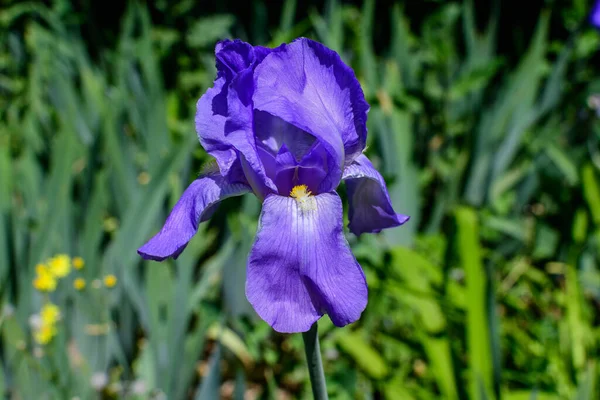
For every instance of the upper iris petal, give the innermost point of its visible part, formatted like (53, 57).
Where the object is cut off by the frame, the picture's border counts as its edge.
(297, 95)
(309, 86)
(233, 56)
(214, 108)
(273, 133)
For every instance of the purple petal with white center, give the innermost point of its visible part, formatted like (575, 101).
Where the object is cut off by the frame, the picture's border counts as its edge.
(301, 267)
(370, 208)
(309, 86)
(197, 204)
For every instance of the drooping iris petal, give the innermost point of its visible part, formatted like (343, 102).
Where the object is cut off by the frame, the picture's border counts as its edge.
(309, 86)
(312, 169)
(301, 267)
(370, 208)
(196, 205)
(595, 15)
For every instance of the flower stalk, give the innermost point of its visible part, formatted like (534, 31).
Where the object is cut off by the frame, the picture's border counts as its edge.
(315, 364)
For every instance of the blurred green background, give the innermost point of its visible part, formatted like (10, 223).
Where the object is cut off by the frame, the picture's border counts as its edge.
(485, 122)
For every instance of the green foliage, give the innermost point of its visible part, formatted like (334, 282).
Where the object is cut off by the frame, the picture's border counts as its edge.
(491, 291)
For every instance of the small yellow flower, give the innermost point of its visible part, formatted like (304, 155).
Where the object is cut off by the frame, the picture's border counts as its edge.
(60, 265)
(110, 281)
(78, 263)
(45, 334)
(41, 269)
(44, 281)
(79, 283)
(50, 314)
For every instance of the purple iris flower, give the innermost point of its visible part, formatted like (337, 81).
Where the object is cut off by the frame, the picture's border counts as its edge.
(287, 124)
(595, 15)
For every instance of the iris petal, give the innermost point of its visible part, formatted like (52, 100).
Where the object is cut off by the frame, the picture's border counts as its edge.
(274, 133)
(309, 86)
(212, 108)
(370, 205)
(233, 56)
(301, 267)
(224, 109)
(211, 113)
(240, 133)
(196, 205)
(286, 171)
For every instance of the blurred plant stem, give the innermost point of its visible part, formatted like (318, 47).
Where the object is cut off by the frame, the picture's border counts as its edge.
(315, 365)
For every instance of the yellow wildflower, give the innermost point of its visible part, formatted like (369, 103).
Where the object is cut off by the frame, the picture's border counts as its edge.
(41, 269)
(78, 263)
(79, 283)
(110, 281)
(44, 281)
(45, 334)
(50, 314)
(60, 265)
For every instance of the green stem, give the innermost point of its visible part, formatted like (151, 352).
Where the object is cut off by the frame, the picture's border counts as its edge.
(315, 365)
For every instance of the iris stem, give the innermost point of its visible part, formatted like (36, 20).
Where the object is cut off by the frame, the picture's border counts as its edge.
(315, 364)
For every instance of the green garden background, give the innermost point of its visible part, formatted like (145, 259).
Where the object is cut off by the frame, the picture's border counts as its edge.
(484, 121)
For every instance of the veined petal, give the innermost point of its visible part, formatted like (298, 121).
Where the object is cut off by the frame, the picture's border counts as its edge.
(239, 126)
(301, 267)
(234, 58)
(274, 133)
(370, 205)
(310, 87)
(196, 205)
(211, 113)
(287, 172)
(212, 109)
(239, 130)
